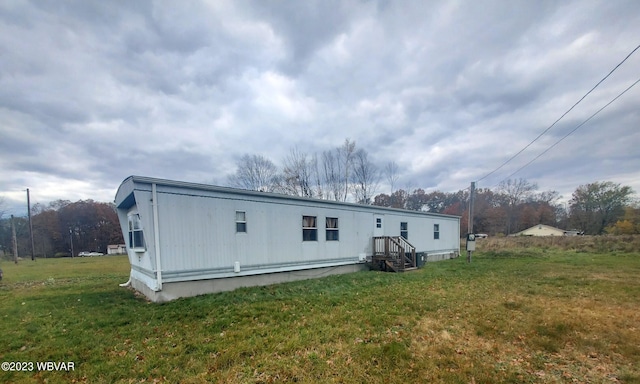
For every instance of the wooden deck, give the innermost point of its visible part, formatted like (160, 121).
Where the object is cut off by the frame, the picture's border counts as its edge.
(393, 253)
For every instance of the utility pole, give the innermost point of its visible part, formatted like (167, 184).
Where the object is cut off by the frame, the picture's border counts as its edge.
(71, 239)
(14, 241)
(33, 257)
(470, 224)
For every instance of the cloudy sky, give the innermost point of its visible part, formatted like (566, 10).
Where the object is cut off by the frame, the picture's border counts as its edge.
(94, 91)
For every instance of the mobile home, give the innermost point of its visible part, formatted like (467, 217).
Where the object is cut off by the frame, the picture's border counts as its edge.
(185, 239)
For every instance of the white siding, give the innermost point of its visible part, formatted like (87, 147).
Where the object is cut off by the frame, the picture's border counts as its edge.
(198, 239)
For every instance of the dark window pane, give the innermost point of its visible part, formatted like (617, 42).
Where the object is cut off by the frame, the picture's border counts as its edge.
(138, 239)
(332, 235)
(309, 235)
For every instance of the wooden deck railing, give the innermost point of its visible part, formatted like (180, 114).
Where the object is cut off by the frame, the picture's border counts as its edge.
(395, 251)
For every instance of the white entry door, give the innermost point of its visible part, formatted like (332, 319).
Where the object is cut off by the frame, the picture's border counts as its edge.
(378, 225)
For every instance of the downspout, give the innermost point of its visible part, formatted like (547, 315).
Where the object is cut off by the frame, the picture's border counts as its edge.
(128, 283)
(156, 235)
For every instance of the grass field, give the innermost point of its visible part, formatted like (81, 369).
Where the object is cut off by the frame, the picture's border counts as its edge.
(525, 315)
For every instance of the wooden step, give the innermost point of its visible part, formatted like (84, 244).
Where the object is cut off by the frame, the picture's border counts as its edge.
(391, 266)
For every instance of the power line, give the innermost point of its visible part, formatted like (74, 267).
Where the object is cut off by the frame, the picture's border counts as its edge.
(560, 118)
(575, 129)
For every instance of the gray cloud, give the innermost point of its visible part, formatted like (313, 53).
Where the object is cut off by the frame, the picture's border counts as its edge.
(91, 92)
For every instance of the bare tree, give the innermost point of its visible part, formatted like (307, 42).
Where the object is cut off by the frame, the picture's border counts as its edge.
(332, 172)
(391, 174)
(345, 156)
(515, 192)
(255, 172)
(320, 192)
(299, 174)
(365, 177)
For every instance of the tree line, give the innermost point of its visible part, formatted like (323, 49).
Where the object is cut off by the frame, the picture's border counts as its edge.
(594, 209)
(335, 174)
(346, 173)
(86, 224)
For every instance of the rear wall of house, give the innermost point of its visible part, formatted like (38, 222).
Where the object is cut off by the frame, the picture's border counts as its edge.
(198, 233)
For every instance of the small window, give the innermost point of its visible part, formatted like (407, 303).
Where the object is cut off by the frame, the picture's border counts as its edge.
(241, 222)
(332, 229)
(404, 230)
(378, 222)
(436, 231)
(136, 236)
(309, 228)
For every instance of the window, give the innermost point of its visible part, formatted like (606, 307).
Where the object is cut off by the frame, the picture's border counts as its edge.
(136, 237)
(309, 228)
(241, 222)
(332, 229)
(404, 231)
(436, 231)
(378, 222)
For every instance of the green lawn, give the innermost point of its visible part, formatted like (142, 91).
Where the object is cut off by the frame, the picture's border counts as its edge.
(521, 316)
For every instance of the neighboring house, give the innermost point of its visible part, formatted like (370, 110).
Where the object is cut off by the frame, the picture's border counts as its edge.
(116, 249)
(186, 239)
(90, 254)
(541, 230)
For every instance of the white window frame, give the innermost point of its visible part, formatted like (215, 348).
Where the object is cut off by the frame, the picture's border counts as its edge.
(309, 233)
(404, 232)
(332, 233)
(136, 233)
(241, 222)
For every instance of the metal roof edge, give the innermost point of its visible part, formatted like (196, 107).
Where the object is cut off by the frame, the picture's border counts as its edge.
(282, 196)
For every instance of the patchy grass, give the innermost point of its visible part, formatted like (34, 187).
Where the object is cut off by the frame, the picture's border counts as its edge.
(540, 316)
(578, 244)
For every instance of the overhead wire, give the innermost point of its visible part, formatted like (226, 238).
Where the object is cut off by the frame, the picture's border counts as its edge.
(560, 118)
(572, 131)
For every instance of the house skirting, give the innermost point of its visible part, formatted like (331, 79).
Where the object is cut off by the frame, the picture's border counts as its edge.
(174, 290)
(430, 257)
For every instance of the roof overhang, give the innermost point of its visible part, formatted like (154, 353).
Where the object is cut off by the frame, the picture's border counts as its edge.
(125, 196)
